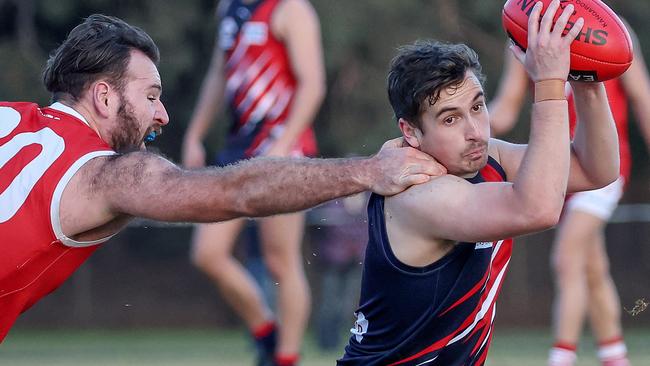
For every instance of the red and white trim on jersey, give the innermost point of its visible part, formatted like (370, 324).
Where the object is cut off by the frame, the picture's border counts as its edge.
(477, 321)
(58, 191)
(56, 201)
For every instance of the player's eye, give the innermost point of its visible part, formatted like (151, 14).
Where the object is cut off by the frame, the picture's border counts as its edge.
(449, 120)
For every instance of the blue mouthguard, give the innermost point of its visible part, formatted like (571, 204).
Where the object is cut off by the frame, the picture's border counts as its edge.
(150, 137)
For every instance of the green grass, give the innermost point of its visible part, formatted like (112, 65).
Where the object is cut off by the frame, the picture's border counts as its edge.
(232, 348)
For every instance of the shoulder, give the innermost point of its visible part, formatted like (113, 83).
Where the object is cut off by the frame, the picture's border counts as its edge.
(123, 171)
(294, 6)
(288, 12)
(428, 194)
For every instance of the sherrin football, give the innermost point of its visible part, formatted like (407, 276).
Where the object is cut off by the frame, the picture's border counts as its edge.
(602, 50)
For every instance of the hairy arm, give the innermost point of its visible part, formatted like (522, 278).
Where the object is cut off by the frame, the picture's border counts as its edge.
(296, 23)
(146, 185)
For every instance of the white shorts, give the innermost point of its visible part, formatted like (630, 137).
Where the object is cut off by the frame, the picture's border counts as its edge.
(599, 202)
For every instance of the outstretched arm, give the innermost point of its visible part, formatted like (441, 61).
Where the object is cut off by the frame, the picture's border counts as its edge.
(146, 185)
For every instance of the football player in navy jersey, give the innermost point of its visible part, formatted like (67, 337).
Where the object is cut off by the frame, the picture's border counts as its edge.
(438, 253)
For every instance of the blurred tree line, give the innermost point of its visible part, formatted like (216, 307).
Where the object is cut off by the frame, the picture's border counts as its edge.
(359, 38)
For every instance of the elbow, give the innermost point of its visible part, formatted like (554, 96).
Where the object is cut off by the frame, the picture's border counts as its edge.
(544, 215)
(607, 177)
(543, 219)
(549, 218)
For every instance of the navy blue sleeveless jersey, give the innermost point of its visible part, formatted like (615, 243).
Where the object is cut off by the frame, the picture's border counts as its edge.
(440, 314)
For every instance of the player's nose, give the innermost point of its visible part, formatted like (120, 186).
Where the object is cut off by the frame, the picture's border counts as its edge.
(161, 115)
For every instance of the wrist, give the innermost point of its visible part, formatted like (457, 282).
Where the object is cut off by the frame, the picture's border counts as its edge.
(587, 88)
(363, 172)
(550, 89)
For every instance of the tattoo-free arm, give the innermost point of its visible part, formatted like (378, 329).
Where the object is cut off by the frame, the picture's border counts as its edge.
(146, 185)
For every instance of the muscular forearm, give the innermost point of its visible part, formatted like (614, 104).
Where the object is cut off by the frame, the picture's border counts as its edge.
(145, 185)
(595, 143)
(267, 186)
(541, 182)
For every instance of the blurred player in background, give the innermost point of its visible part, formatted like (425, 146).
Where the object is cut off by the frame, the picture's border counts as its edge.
(438, 253)
(268, 66)
(579, 260)
(76, 172)
(341, 243)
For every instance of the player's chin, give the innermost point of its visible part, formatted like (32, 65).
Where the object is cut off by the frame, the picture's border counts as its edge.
(477, 162)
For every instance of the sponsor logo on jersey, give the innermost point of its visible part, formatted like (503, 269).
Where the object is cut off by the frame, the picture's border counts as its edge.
(255, 33)
(483, 245)
(360, 326)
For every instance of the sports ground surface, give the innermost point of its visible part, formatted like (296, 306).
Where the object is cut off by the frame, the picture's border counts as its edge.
(231, 348)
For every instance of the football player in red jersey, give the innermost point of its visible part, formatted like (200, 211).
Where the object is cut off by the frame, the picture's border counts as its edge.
(74, 173)
(268, 68)
(583, 282)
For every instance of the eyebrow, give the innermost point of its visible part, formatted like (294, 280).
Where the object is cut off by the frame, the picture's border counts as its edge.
(156, 86)
(449, 109)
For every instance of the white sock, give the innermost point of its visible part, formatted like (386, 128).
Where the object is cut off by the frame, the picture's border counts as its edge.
(613, 353)
(561, 356)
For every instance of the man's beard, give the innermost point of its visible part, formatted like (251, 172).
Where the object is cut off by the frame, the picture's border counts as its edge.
(126, 136)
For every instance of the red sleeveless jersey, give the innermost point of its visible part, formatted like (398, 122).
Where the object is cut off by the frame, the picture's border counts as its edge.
(40, 150)
(618, 104)
(260, 83)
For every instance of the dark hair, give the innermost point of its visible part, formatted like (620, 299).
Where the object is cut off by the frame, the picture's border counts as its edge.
(422, 70)
(100, 47)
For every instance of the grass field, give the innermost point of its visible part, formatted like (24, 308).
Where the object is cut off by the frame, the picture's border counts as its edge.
(231, 348)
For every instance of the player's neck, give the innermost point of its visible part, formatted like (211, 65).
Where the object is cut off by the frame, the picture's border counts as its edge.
(89, 117)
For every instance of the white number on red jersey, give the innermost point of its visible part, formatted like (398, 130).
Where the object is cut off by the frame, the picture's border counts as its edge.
(14, 196)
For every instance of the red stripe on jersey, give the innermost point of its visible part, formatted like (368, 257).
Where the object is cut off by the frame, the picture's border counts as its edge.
(260, 83)
(483, 326)
(479, 285)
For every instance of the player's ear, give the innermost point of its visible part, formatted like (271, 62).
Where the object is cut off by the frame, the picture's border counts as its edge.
(412, 135)
(101, 96)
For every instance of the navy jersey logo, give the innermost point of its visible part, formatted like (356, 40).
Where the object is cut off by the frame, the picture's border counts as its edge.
(360, 326)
